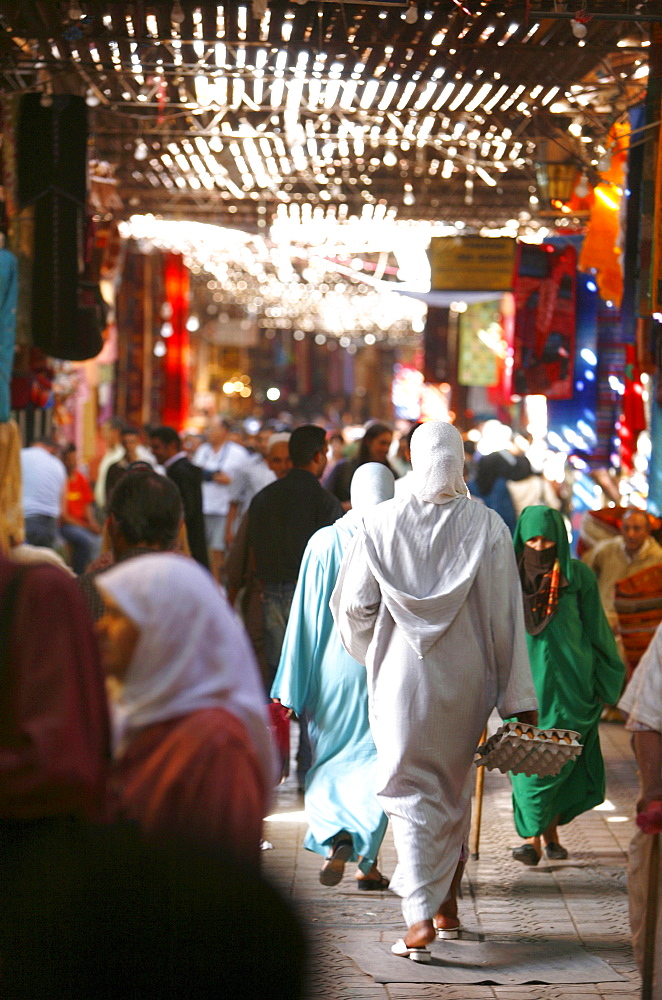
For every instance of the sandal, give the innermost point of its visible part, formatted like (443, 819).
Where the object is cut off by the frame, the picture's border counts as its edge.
(380, 884)
(449, 932)
(527, 854)
(333, 869)
(403, 950)
(555, 852)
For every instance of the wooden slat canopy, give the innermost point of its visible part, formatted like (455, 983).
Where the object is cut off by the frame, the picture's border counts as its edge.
(428, 109)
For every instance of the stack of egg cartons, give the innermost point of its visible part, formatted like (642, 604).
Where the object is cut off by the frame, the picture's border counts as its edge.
(523, 749)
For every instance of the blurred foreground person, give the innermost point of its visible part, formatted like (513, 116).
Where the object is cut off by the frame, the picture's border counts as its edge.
(428, 598)
(100, 914)
(54, 736)
(576, 669)
(193, 756)
(318, 677)
(643, 703)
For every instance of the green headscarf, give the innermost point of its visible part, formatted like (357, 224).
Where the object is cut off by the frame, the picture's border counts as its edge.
(545, 521)
(543, 573)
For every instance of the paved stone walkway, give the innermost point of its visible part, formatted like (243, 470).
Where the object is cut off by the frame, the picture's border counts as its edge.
(583, 898)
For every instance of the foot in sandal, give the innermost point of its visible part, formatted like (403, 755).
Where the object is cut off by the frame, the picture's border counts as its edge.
(333, 869)
(414, 944)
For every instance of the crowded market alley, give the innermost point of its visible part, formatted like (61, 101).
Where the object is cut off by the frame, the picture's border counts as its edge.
(331, 499)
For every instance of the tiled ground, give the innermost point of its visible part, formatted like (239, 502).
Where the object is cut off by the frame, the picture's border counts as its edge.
(583, 898)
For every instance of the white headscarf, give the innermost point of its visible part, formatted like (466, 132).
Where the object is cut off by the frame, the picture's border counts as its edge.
(372, 483)
(437, 458)
(193, 652)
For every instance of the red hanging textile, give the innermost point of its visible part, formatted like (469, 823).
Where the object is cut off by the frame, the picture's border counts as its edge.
(633, 420)
(545, 320)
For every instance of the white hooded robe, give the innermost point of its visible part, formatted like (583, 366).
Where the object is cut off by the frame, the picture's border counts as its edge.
(429, 599)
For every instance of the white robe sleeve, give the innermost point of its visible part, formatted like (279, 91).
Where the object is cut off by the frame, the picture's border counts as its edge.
(515, 688)
(355, 600)
(643, 696)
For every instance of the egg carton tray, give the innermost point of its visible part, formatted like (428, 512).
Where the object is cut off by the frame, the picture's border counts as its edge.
(524, 749)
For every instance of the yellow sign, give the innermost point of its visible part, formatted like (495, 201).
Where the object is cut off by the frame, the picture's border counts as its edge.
(481, 345)
(472, 263)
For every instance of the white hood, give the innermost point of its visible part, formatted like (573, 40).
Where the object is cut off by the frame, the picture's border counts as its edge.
(425, 557)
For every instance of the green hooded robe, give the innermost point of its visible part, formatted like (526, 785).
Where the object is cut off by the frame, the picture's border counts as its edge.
(576, 670)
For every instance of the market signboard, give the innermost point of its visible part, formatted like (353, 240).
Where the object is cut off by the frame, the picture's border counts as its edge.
(472, 263)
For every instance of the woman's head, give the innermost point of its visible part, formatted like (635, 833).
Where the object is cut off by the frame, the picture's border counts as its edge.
(539, 522)
(171, 637)
(158, 608)
(336, 445)
(375, 443)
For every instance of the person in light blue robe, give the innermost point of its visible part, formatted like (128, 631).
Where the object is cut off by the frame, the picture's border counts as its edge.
(317, 676)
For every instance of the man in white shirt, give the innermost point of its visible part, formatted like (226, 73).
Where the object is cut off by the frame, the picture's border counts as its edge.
(111, 432)
(44, 478)
(221, 461)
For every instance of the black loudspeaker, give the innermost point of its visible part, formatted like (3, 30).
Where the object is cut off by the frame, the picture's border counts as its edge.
(52, 180)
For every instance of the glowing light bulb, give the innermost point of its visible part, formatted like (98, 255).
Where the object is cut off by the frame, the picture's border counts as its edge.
(582, 188)
(579, 30)
(411, 17)
(177, 14)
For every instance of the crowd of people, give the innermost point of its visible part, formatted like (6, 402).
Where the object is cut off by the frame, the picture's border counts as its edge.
(388, 597)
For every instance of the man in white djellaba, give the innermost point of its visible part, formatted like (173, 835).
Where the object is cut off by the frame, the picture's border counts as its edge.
(429, 599)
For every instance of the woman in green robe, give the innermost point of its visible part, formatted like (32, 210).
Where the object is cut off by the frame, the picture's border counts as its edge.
(576, 670)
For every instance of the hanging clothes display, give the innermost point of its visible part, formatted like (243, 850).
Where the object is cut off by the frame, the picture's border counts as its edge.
(611, 372)
(8, 300)
(545, 294)
(572, 421)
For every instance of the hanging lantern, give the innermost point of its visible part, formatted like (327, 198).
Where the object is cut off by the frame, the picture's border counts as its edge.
(556, 181)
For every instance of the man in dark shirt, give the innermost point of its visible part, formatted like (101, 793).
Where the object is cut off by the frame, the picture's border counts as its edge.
(166, 447)
(284, 515)
(281, 519)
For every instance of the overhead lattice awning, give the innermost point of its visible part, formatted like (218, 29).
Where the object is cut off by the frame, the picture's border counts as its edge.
(434, 110)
